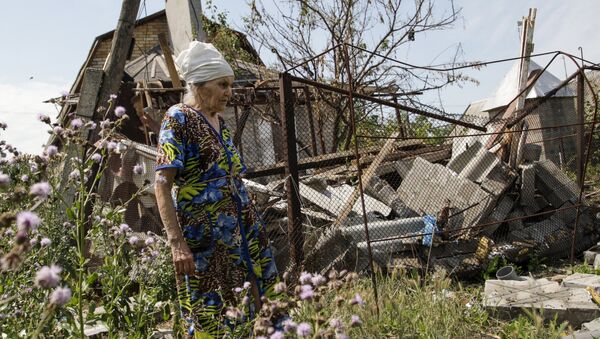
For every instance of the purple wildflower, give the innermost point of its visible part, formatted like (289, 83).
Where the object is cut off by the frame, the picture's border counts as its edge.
(355, 321)
(289, 326)
(96, 158)
(304, 330)
(280, 287)
(43, 118)
(58, 130)
(4, 179)
(24, 178)
(336, 324)
(33, 241)
(277, 335)
(91, 125)
(45, 242)
(357, 300)
(246, 300)
(341, 336)
(112, 97)
(120, 111)
(111, 145)
(306, 292)
(76, 123)
(246, 285)
(28, 220)
(149, 241)
(318, 280)
(238, 290)
(305, 278)
(41, 190)
(124, 228)
(48, 276)
(60, 296)
(138, 169)
(133, 240)
(234, 313)
(51, 150)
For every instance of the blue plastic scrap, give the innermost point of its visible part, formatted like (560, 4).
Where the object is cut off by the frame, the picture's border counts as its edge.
(429, 229)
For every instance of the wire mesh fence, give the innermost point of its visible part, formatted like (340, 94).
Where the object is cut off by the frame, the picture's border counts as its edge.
(390, 189)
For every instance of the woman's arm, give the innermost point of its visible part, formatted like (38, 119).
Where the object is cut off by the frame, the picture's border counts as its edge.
(182, 256)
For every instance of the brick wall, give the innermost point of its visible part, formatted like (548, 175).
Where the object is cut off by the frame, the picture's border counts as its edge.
(146, 37)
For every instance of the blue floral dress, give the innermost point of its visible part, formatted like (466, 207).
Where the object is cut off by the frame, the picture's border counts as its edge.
(219, 223)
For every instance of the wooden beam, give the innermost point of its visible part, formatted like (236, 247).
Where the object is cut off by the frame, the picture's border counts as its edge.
(164, 45)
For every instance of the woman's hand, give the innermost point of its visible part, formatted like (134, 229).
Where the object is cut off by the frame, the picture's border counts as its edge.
(182, 258)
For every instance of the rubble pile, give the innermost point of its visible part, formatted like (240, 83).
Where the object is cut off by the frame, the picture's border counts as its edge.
(478, 208)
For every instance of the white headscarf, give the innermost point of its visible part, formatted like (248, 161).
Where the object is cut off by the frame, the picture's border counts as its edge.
(202, 62)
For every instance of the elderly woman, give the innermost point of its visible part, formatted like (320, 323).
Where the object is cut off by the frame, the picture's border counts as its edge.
(218, 242)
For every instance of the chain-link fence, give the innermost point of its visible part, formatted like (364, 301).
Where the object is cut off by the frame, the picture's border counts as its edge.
(362, 180)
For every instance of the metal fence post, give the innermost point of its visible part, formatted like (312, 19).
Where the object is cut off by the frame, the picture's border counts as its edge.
(295, 235)
(579, 129)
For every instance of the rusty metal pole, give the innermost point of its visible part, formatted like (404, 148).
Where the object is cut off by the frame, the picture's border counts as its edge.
(294, 213)
(579, 129)
(360, 183)
(401, 127)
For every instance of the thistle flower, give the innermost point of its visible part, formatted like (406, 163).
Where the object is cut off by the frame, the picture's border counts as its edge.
(51, 150)
(112, 97)
(355, 321)
(246, 285)
(120, 111)
(48, 276)
(111, 145)
(133, 240)
(149, 241)
(277, 335)
(105, 124)
(28, 221)
(306, 292)
(138, 169)
(304, 330)
(60, 296)
(4, 179)
(357, 300)
(33, 241)
(289, 326)
(336, 324)
(305, 278)
(280, 287)
(43, 118)
(58, 130)
(91, 125)
(318, 280)
(96, 158)
(41, 190)
(74, 175)
(76, 123)
(124, 228)
(45, 242)
(24, 178)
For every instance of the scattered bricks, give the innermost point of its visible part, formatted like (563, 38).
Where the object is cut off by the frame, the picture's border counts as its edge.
(381, 190)
(528, 187)
(509, 297)
(498, 215)
(498, 180)
(554, 184)
(475, 163)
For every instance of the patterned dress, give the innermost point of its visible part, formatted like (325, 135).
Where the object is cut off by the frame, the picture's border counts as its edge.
(218, 221)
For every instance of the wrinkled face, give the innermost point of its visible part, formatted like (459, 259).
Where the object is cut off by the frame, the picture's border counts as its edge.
(215, 94)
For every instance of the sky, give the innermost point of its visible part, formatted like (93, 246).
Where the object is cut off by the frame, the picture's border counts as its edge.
(46, 42)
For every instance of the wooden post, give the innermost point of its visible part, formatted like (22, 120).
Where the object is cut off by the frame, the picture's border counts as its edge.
(526, 50)
(295, 235)
(401, 127)
(580, 130)
(164, 45)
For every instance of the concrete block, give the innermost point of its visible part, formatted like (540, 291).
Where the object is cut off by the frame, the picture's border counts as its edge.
(385, 229)
(508, 297)
(420, 193)
(516, 224)
(498, 180)
(528, 186)
(597, 262)
(589, 257)
(389, 246)
(475, 163)
(582, 280)
(403, 167)
(554, 184)
(333, 198)
(498, 215)
(380, 189)
(532, 152)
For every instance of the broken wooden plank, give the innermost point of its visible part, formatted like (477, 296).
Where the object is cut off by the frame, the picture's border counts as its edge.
(164, 45)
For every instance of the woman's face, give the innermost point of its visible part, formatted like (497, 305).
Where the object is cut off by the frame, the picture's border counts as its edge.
(215, 94)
